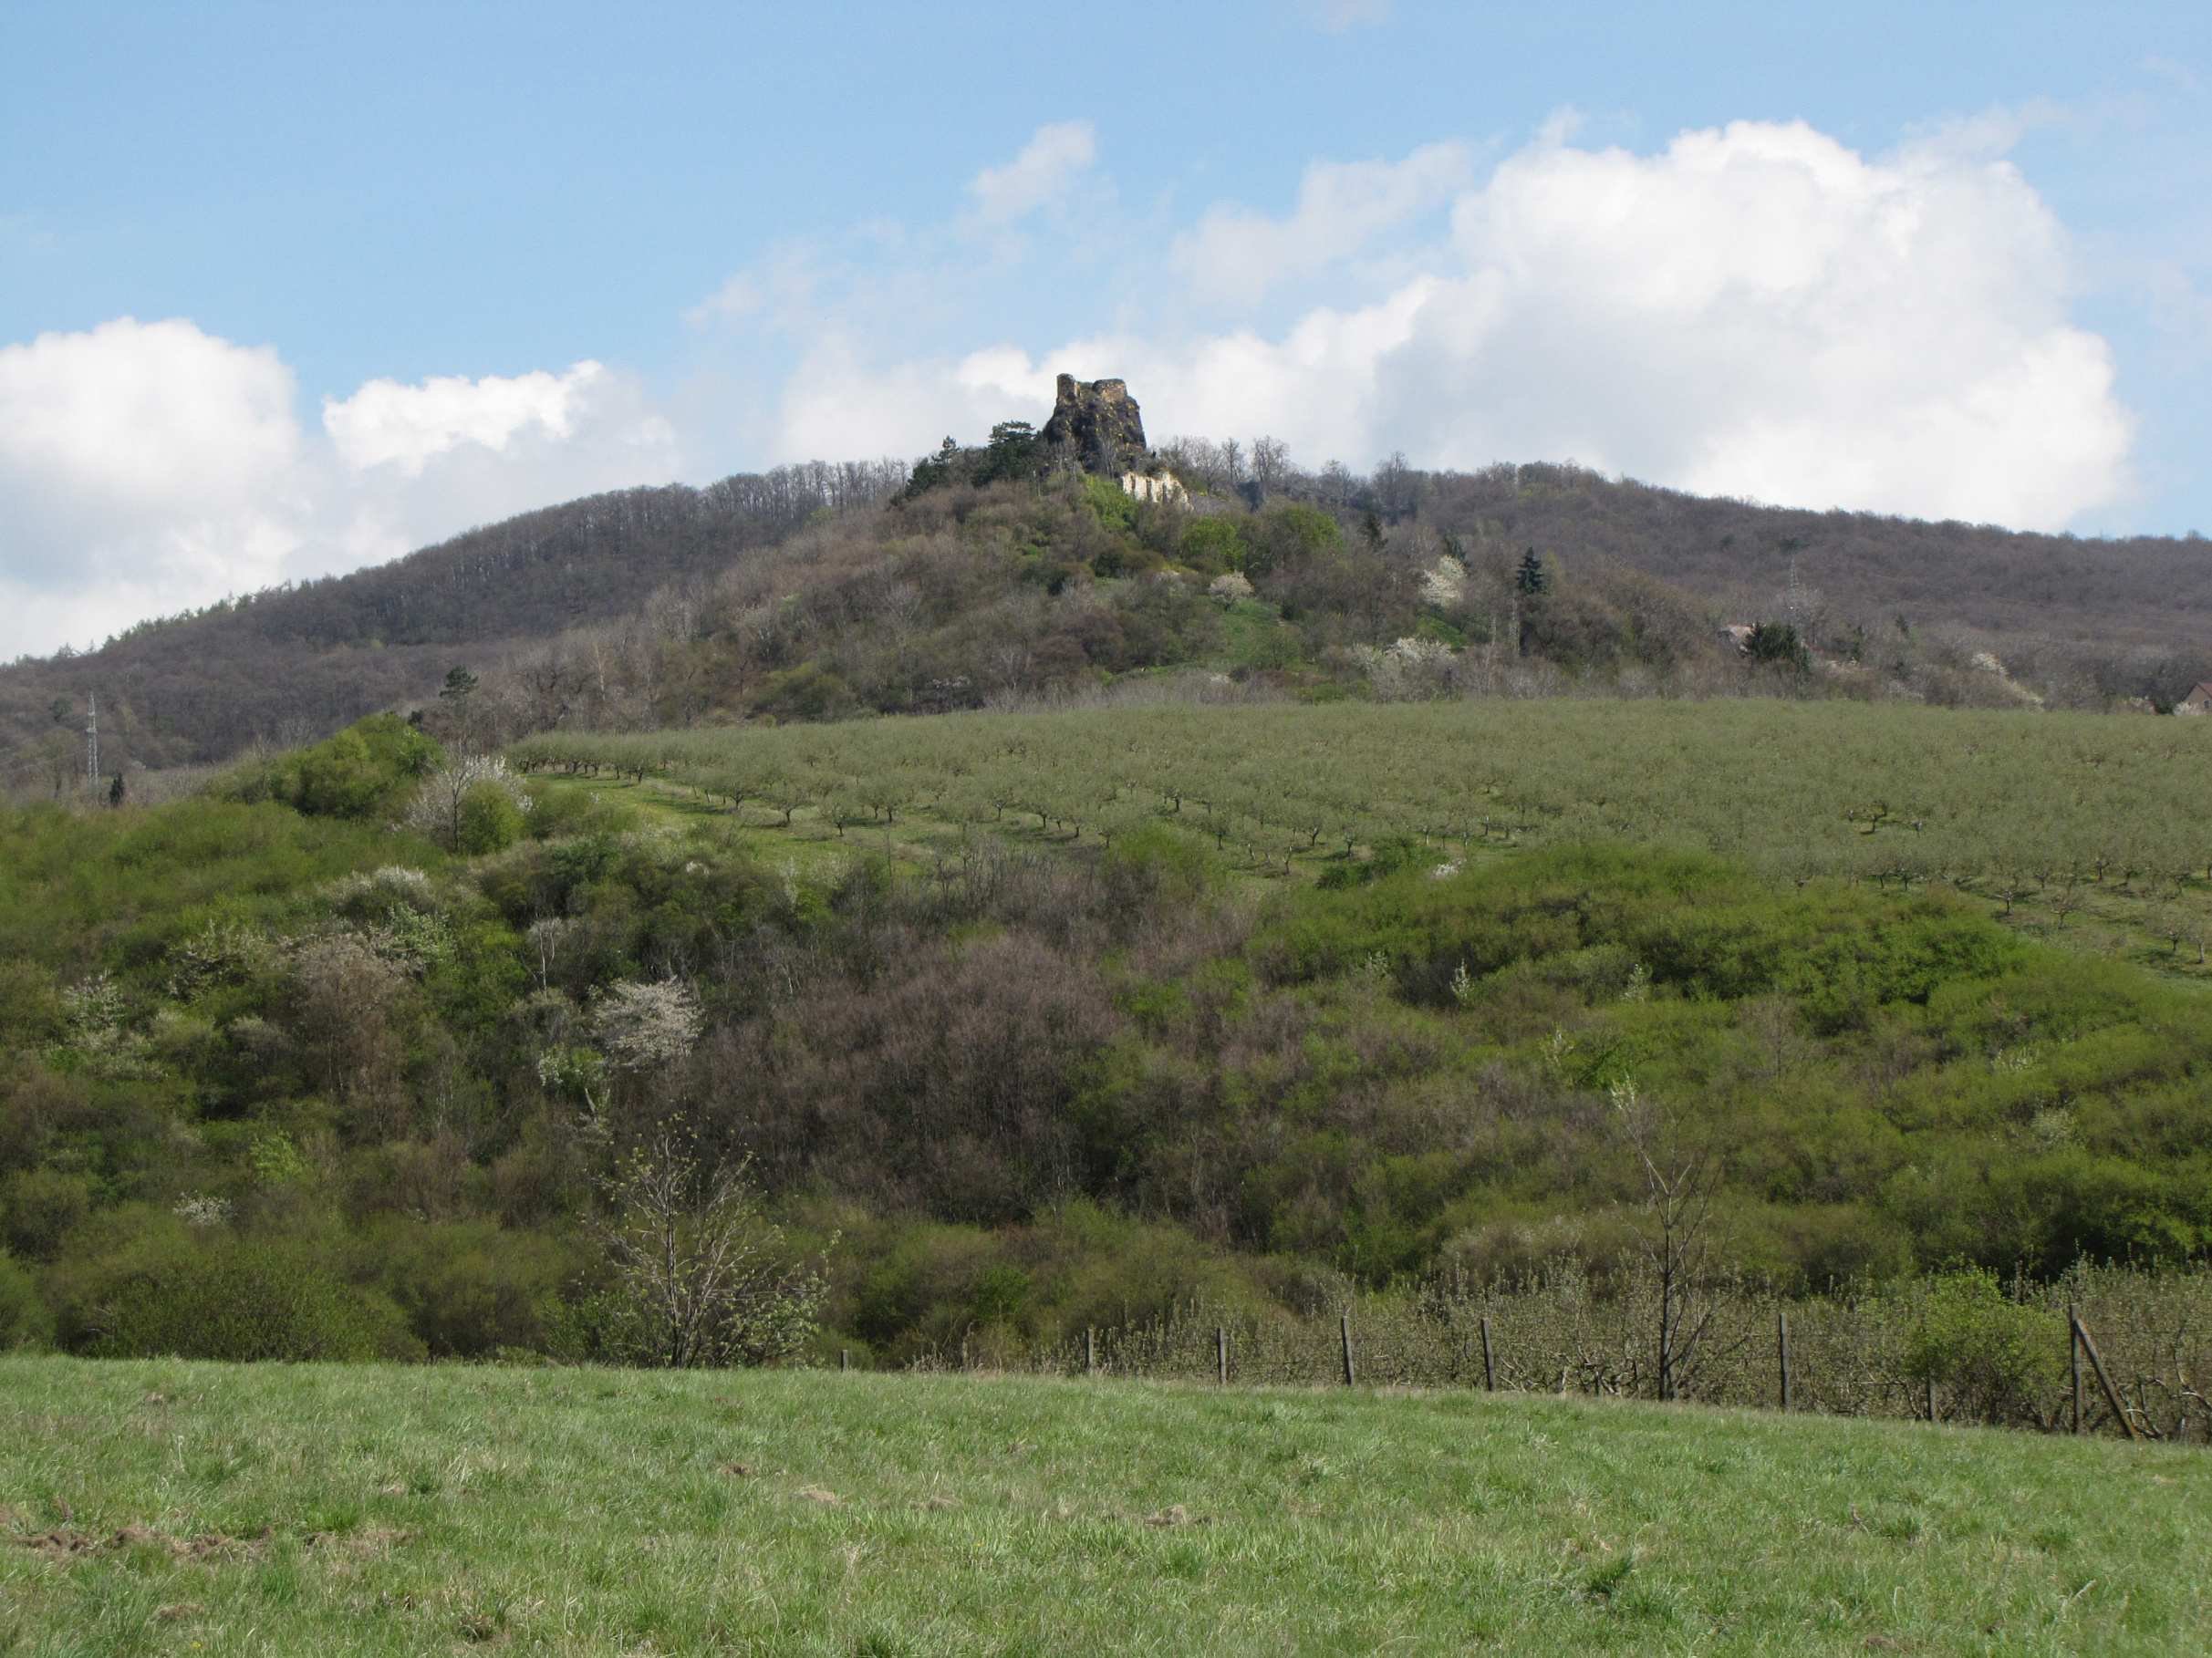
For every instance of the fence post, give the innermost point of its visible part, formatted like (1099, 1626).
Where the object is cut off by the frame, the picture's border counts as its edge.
(1090, 1353)
(2073, 1360)
(1220, 1354)
(2111, 1394)
(1931, 1397)
(1782, 1344)
(845, 1358)
(1489, 1369)
(1345, 1326)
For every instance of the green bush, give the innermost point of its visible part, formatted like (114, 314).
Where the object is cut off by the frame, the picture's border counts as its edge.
(37, 1209)
(489, 820)
(364, 772)
(232, 1298)
(1212, 546)
(472, 1289)
(1995, 1359)
(24, 1319)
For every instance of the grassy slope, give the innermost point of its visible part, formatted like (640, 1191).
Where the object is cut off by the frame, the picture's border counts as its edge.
(374, 1510)
(2109, 923)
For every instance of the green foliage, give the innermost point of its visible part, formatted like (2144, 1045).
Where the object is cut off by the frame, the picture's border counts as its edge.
(1996, 1359)
(1111, 505)
(489, 820)
(37, 1209)
(1530, 577)
(1777, 643)
(809, 691)
(1290, 534)
(227, 1298)
(24, 1321)
(367, 771)
(472, 1289)
(1213, 545)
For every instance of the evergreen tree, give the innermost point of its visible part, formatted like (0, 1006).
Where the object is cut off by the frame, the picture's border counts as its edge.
(1532, 576)
(116, 791)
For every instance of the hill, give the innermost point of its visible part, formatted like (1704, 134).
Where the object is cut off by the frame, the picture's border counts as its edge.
(295, 663)
(370, 1509)
(664, 607)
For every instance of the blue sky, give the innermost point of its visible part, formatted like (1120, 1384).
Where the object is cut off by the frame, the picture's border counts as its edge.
(391, 270)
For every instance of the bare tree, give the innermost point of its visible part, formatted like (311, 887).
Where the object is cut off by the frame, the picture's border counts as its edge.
(1678, 1212)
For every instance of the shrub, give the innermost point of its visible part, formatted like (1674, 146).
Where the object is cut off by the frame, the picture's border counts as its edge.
(39, 1207)
(473, 1290)
(489, 820)
(362, 772)
(238, 1300)
(24, 1319)
(1997, 1360)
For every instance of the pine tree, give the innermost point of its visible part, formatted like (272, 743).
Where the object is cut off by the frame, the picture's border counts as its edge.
(1532, 576)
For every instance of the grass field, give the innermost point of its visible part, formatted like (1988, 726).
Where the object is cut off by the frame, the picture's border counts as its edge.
(171, 1508)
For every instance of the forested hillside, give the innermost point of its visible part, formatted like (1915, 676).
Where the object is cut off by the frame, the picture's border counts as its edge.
(654, 607)
(295, 663)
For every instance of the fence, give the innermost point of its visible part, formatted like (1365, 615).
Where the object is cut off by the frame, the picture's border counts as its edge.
(2102, 1350)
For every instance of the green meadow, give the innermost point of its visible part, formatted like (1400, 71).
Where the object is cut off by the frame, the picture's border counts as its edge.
(163, 1507)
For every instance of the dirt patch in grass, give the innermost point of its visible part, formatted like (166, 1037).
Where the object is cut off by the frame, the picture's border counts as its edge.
(63, 1544)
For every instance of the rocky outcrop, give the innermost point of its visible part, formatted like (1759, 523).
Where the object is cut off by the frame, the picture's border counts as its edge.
(1097, 425)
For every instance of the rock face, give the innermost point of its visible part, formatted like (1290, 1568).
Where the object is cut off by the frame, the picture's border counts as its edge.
(1097, 424)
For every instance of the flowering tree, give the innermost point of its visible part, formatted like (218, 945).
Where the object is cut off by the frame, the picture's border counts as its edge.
(701, 1276)
(641, 1027)
(440, 807)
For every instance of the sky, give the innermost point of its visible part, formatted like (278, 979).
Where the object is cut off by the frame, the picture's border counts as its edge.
(285, 290)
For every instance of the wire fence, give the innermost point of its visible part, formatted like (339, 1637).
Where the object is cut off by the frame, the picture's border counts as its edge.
(2105, 1349)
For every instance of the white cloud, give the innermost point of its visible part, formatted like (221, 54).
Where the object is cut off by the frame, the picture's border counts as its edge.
(1237, 254)
(1056, 155)
(146, 468)
(1755, 310)
(142, 466)
(386, 423)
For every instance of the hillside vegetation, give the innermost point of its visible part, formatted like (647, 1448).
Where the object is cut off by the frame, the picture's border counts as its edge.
(167, 1506)
(296, 662)
(818, 592)
(1988, 801)
(266, 1052)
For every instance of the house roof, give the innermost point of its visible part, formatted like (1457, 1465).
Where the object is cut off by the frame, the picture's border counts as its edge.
(2200, 692)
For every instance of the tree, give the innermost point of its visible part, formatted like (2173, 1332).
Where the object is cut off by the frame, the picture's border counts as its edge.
(1778, 642)
(1530, 577)
(700, 1275)
(440, 807)
(116, 791)
(1679, 1175)
(459, 683)
(1014, 452)
(644, 1026)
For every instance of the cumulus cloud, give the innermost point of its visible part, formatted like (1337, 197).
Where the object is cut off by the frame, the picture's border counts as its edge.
(147, 468)
(1056, 155)
(142, 465)
(386, 423)
(1755, 310)
(418, 463)
(1237, 254)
